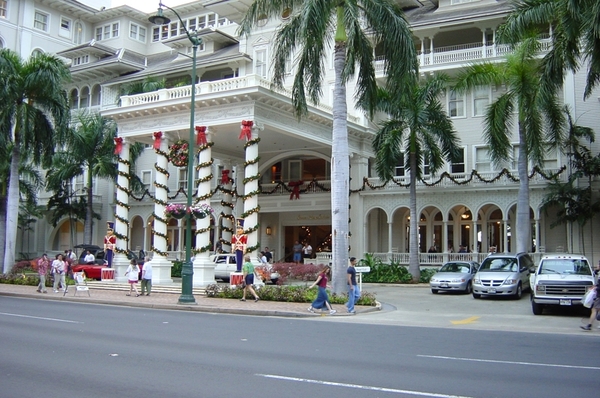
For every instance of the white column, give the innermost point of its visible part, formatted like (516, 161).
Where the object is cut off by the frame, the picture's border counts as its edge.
(505, 236)
(227, 214)
(390, 240)
(161, 267)
(422, 51)
(251, 206)
(204, 269)
(431, 51)
(120, 261)
(483, 47)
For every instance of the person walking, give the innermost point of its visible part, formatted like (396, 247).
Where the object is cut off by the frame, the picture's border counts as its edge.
(133, 274)
(43, 264)
(595, 309)
(353, 290)
(147, 277)
(58, 270)
(322, 299)
(248, 272)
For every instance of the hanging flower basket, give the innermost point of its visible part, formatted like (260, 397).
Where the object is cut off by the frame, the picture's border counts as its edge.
(176, 210)
(179, 153)
(201, 211)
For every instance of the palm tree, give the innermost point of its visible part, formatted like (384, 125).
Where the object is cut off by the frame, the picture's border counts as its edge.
(419, 126)
(33, 118)
(355, 28)
(89, 151)
(575, 35)
(540, 119)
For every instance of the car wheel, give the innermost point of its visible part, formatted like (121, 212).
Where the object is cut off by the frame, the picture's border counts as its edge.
(536, 308)
(519, 292)
(434, 291)
(476, 295)
(274, 281)
(469, 288)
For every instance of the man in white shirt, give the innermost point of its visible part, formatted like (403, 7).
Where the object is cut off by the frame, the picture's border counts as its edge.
(147, 276)
(89, 258)
(307, 250)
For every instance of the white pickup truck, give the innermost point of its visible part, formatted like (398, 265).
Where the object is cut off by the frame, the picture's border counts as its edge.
(560, 279)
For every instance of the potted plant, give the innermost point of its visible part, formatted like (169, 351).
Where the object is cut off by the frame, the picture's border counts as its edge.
(201, 211)
(176, 210)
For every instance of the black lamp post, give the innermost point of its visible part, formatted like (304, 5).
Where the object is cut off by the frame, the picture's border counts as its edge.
(187, 270)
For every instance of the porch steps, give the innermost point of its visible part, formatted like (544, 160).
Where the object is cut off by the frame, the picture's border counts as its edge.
(124, 286)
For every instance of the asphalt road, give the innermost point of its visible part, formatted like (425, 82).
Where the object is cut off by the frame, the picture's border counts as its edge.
(63, 349)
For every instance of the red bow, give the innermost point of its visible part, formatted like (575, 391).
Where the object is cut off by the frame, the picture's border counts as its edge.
(246, 130)
(118, 145)
(224, 177)
(200, 135)
(157, 137)
(296, 189)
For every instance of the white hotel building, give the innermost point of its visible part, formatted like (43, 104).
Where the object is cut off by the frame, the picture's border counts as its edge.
(280, 180)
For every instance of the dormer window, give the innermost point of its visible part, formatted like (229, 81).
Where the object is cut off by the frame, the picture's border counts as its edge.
(454, 2)
(108, 31)
(85, 59)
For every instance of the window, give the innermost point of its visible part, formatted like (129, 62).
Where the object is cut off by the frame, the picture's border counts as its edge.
(174, 28)
(551, 159)
(137, 32)
(426, 166)
(260, 63)
(78, 185)
(40, 21)
(147, 179)
(515, 158)
(65, 27)
(182, 178)
(458, 166)
(107, 31)
(456, 104)
(399, 170)
(483, 162)
(81, 60)
(3, 8)
(454, 2)
(481, 100)
(78, 33)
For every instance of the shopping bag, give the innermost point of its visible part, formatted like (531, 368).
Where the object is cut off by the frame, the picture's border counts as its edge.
(588, 299)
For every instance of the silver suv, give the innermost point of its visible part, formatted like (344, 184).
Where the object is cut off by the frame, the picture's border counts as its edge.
(502, 275)
(560, 279)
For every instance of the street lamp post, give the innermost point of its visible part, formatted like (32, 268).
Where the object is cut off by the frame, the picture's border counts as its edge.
(187, 270)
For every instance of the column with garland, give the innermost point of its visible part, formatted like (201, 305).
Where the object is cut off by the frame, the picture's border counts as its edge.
(227, 218)
(251, 177)
(161, 267)
(121, 227)
(204, 269)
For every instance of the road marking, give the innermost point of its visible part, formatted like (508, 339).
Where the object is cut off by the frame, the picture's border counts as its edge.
(361, 387)
(466, 321)
(549, 365)
(38, 317)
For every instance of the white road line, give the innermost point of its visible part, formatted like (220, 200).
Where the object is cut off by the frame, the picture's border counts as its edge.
(38, 317)
(361, 387)
(549, 365)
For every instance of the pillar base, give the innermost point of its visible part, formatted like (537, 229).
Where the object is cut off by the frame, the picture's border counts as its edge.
(161, 270)
(120, 263)
(204, 270)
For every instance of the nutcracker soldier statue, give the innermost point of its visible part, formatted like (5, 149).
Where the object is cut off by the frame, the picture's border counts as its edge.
(110, 241)
(239, 241)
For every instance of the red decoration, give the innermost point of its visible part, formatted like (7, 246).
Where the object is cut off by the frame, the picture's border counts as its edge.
(295, 189)
(246, 130)
(118, 145)
(201, 135)
(157, 138)
(224, 177)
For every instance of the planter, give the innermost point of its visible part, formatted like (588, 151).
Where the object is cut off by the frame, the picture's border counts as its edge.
(178, 216)
(199, 215)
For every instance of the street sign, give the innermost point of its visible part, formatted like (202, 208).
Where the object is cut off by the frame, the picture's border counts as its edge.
(363, 269)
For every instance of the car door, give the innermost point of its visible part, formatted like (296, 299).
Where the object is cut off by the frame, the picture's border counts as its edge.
(525, 263)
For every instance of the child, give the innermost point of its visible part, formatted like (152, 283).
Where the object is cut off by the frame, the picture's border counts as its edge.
(133, 273)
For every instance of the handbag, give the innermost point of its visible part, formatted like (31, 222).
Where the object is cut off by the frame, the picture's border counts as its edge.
(588, 298)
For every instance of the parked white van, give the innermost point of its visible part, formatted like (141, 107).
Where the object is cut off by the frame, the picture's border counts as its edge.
(560, 279)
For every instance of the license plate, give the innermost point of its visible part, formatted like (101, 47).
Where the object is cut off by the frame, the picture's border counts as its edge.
(565, 302)
(444, 285)
(491, 290)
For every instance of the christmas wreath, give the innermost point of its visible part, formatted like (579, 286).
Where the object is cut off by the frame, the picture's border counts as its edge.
(178, 153)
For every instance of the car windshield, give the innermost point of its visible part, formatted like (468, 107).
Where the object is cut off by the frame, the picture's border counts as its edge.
(565, 266)
(455, 267)
(499, 265)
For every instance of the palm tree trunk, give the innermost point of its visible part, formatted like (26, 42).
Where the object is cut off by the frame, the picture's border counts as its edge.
(340, 175)
(12, 209)
(2, 224)
(523, 227)
(413, 254)
(89, 222)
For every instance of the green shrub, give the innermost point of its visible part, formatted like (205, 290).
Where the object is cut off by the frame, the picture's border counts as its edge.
(391, 273)
(426, 274)
(176, 269)
(290, 294)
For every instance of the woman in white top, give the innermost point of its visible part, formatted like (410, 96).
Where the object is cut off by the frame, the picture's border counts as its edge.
(58, 269)
(133, 274)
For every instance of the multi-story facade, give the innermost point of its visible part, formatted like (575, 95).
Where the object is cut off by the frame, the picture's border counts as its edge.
(278, 179)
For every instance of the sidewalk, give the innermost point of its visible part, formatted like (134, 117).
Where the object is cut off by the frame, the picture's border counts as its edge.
(166, 298)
